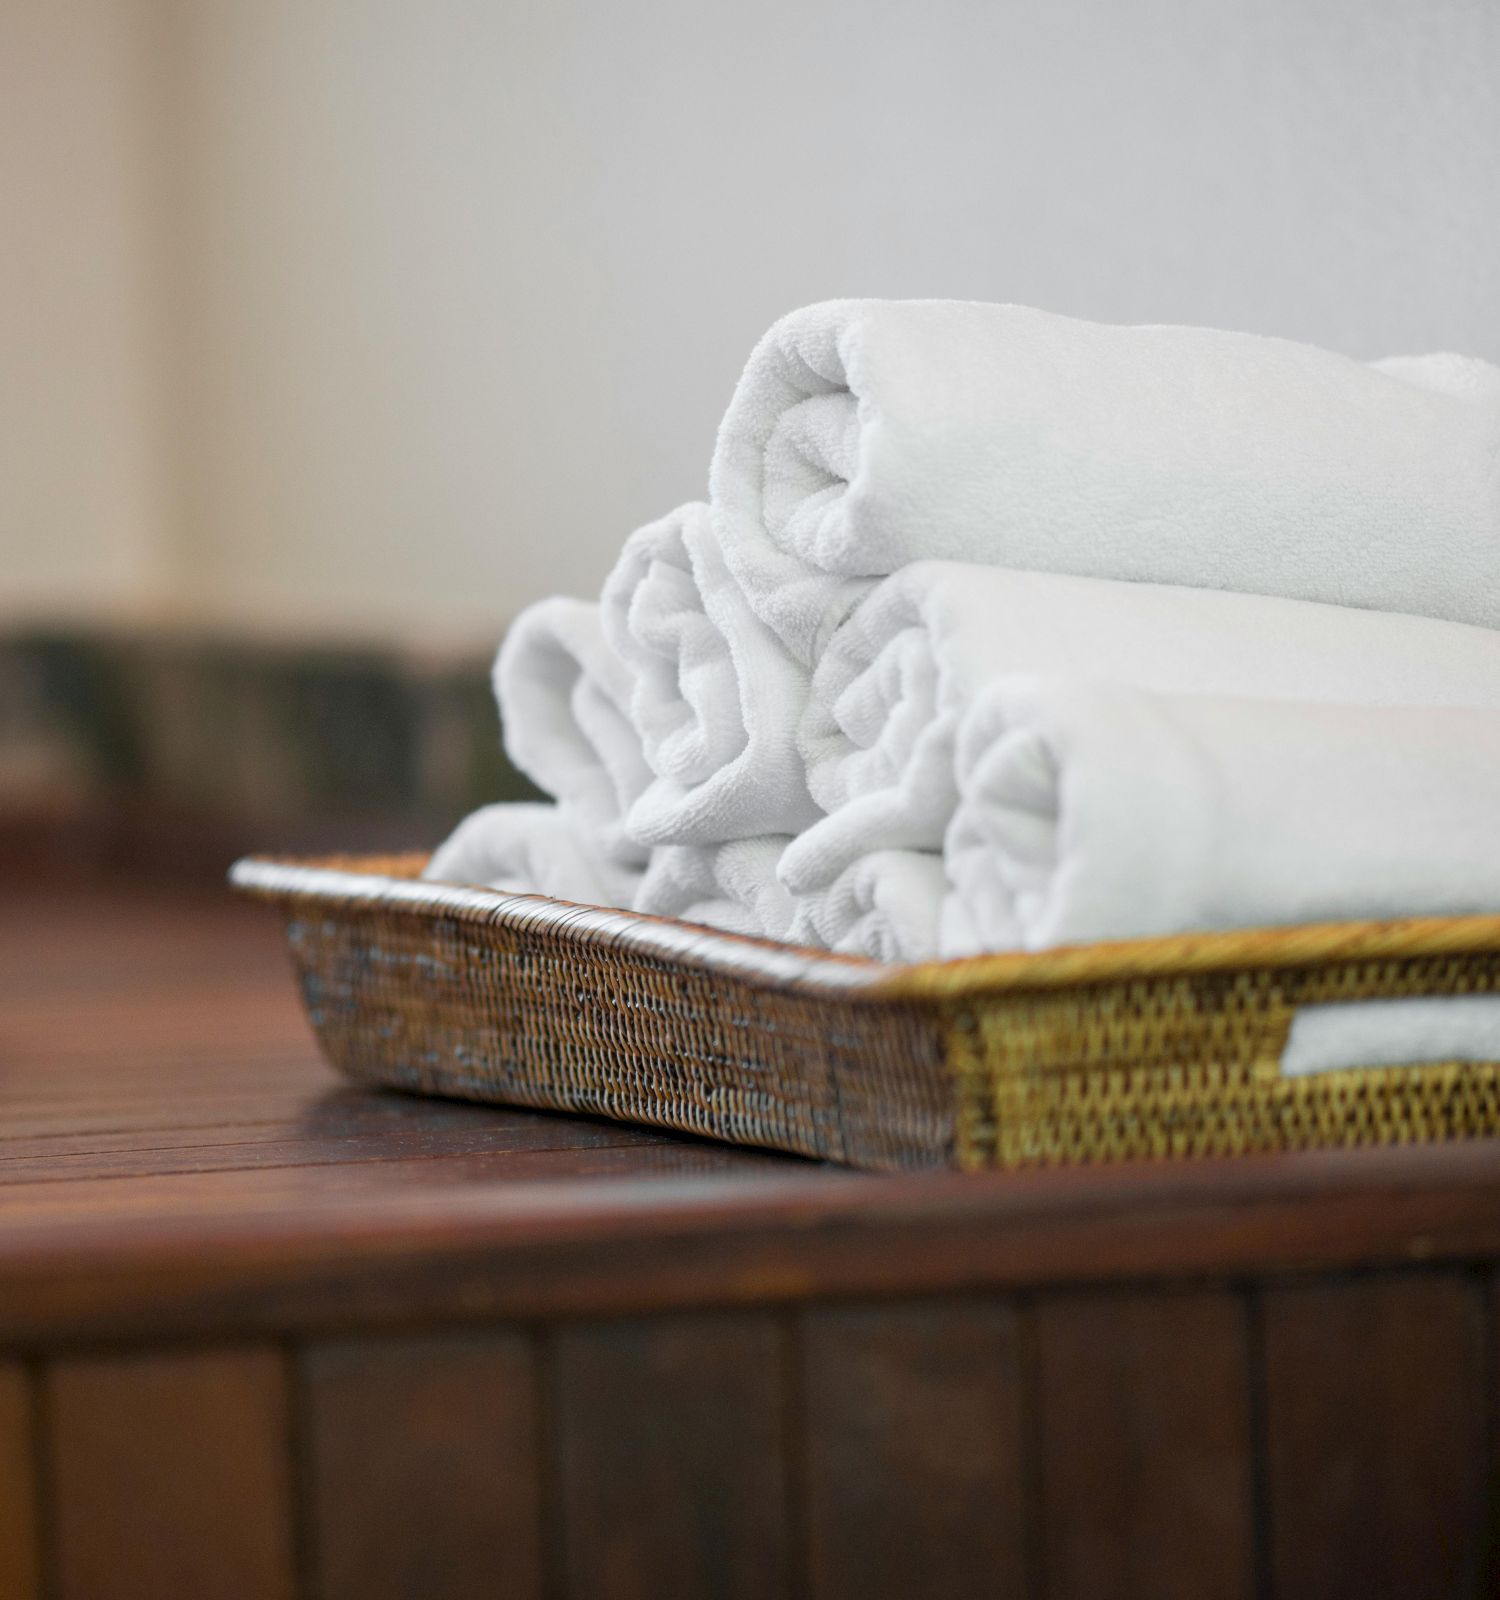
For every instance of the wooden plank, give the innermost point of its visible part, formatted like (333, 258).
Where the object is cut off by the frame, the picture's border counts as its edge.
(316, 1111)
(247, 1155)
(170, 1476)
(335, 1120)
(1145, 1446)
(913, 1452)
(137, 927)
(197, 1019)
(546, 1236)
(146, 1116)
(424, 1469)
(669, 1440)
(123, 1076)
(19, 1574)
(1375, 1413)
(255, 1190)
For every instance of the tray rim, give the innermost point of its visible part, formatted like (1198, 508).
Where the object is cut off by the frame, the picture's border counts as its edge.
(391, 884)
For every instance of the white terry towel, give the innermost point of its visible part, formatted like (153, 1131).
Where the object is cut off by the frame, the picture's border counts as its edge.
(532, 849)
(1093, 812)
(565, 714)
(864, 434)
(731, 886)
(716, 697)
(887, 905)
(878, 734)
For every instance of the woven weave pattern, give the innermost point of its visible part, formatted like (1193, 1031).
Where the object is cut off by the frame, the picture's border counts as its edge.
(531, 1018)
(1191, 1066)
(1164, 1048)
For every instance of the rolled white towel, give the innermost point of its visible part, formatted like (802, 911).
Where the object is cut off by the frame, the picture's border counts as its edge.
(565, 700)
(865, 434)
(1094, 812)
(878, 734)
(731, 886)
(1461, 377)
(716, 697)
(886, 905)
(532, 849)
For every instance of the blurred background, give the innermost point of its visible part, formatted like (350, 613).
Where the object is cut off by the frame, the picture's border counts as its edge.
(332, 332)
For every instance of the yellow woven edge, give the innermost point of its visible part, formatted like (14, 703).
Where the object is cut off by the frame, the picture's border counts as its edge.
(1248, 949)
(1244, 949)
(1190, 1065)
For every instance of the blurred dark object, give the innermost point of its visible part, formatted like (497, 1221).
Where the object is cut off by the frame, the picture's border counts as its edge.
(171, 754)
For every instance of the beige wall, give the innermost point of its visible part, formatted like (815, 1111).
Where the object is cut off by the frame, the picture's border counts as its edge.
(82, 472)
(458, 288)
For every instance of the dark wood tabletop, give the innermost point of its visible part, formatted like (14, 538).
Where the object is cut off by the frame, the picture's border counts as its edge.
(264, 1332)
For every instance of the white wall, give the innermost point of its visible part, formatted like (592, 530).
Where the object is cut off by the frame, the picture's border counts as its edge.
(82, 471)
(459, 287)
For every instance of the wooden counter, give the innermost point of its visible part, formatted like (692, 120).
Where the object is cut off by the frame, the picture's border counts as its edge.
(263, 1334)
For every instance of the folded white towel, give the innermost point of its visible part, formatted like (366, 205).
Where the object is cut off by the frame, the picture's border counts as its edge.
(565, 714)
(731, 886)
(878, 734)
(886, 905)
(865, 434)
(716, 697)
(1093, 811)
(532, 849)
(1340, 1034)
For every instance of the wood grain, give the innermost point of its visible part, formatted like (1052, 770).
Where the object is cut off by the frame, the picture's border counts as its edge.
(468, 1239)
(1377, 1456)
(671, 1453)
(19, 1556)
(1145, 1446)
(913, 1452)
(330, 1123)
(424, 1468)
(170, 1475)
(243, 1155)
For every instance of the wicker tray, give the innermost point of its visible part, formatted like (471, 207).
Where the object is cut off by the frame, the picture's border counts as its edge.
(1161, 1047)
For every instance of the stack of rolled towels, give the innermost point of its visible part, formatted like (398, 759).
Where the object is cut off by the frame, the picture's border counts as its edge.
(1001, 630)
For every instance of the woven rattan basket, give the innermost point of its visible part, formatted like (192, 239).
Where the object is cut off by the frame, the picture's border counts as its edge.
(1156, 1048)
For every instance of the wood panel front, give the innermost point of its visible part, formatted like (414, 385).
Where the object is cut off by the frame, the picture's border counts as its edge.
(1145, 1446)
(19, 1557)
(423, 1468)
(671, 1455)
(1377, 1399)
(914, 1449)
(171, 1475)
